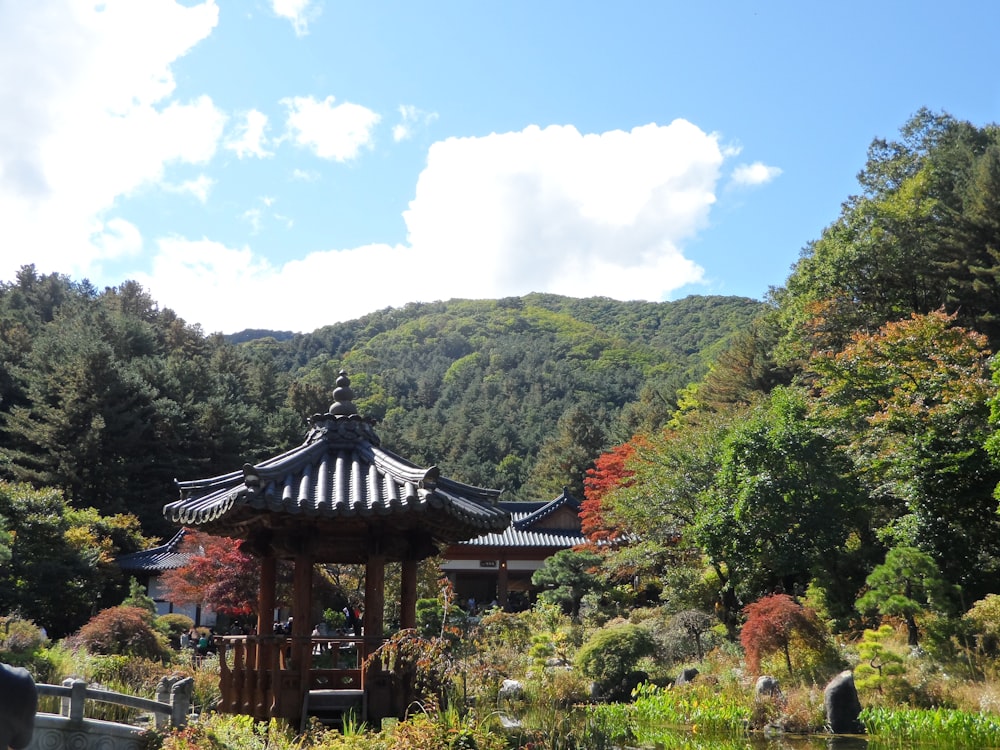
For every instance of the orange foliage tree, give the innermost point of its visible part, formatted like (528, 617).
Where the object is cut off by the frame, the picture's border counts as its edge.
(609, 471)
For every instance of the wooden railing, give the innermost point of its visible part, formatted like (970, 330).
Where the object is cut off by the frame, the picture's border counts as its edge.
(267, 676)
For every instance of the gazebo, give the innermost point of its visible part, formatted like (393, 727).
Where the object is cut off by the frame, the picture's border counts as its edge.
(339, 497)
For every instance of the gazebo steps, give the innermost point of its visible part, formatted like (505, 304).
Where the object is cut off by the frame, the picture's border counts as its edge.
(331, 706)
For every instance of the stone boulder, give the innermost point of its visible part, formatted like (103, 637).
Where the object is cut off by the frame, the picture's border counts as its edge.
(843, 707)
(511, 690)
(767, 688)
(686, 676)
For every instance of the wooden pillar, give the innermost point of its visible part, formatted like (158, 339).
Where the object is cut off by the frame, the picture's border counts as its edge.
(502, 584)
(265, 676)
(408, 595)
(374, 600)
(301, 625)
(266, 599)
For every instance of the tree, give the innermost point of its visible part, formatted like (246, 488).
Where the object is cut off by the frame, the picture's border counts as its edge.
(563, 459)
(567, 577)
(771, 624)
(89, 423)
(906, 584)
(137, 597)
(910, 404)
(694, 623)
(62, 565)
(658, 510)
(783, 503)
(744, 371)
(218, 573)
(914, 240)
(608, 472)
(878, 665)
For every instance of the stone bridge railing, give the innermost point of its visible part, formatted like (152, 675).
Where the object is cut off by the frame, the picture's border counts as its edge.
(69, 730)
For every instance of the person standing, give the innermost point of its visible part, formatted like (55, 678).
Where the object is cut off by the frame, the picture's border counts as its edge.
(18, 706)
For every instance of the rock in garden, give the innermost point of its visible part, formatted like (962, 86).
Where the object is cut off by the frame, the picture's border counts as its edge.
(511, 690)
(843, 707)
(767, 687)
(686, 676)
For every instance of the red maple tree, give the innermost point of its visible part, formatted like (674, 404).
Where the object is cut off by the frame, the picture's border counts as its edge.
(218, 573)
(771, 624)
(609, 471)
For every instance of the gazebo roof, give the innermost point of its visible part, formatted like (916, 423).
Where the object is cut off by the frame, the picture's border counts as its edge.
(337, 495)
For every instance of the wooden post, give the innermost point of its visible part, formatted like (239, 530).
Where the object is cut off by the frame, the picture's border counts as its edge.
(301, 627)
(408, 595)
(265, 600)
(266, 677)
(502, 584)
(374, 601)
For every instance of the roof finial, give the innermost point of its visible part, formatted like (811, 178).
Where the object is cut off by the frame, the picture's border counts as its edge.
(342, 396)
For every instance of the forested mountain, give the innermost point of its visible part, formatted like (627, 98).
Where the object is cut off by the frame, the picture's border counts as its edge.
(109, 398)
(519, 393)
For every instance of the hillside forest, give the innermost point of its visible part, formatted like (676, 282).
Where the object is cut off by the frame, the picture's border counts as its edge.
(725, 448)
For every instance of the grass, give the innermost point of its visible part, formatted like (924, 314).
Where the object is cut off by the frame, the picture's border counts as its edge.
(950, 728)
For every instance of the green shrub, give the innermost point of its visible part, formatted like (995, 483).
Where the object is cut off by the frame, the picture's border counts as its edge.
(334, 619)
(172, 625)
(500, 651)
(984, 619)
(611, 654)
(232, 732)
(19, 636)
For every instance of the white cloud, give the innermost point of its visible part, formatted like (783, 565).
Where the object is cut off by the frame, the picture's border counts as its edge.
(409, 119)
(331, 131)
(546, 210)
(300, 12)
(554, 210)
(248, 138)
(198, 187)
(758, 173)
(85, 90)
(253, 217)
(117, 239)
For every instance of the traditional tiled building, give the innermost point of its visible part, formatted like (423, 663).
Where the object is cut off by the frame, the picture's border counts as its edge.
(497, 567)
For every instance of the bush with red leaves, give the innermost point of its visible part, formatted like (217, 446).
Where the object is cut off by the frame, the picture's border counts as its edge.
(771, 625)
(122, 630)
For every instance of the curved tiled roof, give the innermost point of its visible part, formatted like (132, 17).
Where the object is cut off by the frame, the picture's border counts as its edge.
(157, 559)
(341, 473)
(522, 532)
(529, 518)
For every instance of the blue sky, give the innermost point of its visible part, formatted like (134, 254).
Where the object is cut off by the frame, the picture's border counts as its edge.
(288, 164)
